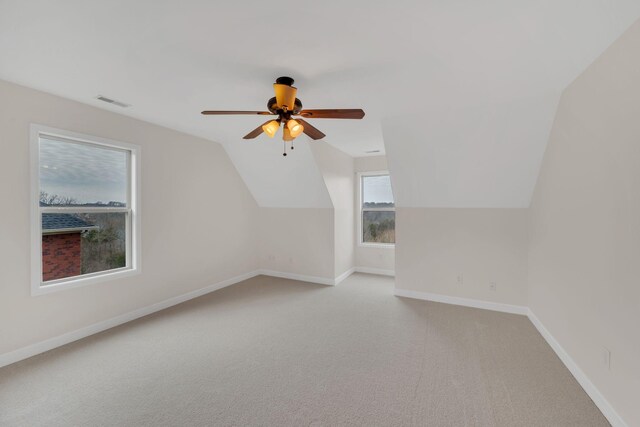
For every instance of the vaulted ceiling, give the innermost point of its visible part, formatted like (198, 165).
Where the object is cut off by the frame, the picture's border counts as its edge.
(460, 94)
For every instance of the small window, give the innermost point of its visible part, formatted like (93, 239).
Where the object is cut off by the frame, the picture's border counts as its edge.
(84, 218)
(378, 215)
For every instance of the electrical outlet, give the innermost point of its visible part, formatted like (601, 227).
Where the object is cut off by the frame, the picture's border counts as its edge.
(460, 279)
(492, 286)
(606, 358)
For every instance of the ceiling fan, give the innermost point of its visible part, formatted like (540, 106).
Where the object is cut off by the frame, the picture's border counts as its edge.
(286, 106)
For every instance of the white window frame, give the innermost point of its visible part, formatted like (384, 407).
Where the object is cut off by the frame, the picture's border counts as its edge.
(362, 175)
(133, 267)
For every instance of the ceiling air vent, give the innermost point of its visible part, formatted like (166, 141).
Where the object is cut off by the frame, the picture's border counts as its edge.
(372, 151)
(112, 101)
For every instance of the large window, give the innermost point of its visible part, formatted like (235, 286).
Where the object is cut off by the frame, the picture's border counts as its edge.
(378, 216)
(85, 224)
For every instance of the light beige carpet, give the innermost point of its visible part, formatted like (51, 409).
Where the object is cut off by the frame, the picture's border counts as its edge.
(274, 352)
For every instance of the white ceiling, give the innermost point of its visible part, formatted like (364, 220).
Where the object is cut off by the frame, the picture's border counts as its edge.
(465, 91)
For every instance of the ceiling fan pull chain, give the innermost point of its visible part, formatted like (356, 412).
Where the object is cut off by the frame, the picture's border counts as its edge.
(292, 144)
(284, 145)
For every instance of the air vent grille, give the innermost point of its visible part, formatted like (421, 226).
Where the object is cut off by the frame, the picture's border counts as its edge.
(112, 101)
(372, 151)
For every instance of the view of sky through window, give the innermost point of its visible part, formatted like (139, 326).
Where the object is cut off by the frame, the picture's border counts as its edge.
(377, 189)
(83, 173)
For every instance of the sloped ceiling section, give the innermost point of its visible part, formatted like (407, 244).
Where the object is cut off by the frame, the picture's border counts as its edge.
(487, 156)
(467, 88)
(276, 181)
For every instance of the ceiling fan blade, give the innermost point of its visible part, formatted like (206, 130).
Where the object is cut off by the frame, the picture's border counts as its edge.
(333, 114)
(311, 131)
(227, 113)
(257, 131)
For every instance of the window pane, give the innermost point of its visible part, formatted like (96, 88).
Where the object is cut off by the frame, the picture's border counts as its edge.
(74, 174)
(376, 192)
(76, 244)
(378, 227)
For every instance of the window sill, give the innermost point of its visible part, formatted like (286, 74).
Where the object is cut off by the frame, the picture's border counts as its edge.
(40, 289)
(378, 245)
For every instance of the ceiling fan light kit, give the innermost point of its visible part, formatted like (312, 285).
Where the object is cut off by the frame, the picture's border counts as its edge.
(271, 128)
(294, 128)
(286, 135)
(285, 105)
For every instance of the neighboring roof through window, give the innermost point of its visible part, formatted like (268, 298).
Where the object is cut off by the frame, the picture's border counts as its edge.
(61, 222)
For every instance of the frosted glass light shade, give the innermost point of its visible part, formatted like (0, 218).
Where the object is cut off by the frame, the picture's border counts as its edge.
(271, 128)
(295, 128)
(286, 134)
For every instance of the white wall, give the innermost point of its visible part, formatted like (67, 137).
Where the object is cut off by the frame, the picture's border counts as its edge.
(198, 219)
(435, 245)
(297, 241)
(338, 173)
(369, 257)
(313, 242)
(370, 163)
(585, 226)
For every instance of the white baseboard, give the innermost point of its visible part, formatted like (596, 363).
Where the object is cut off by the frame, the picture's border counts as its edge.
(467, 302)
(325, 280)
(300, 277)
(379, 271)
(601, 402)
(344, 275)
(51, 343)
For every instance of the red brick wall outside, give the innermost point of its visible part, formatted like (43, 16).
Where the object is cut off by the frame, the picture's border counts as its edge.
(61, 256)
